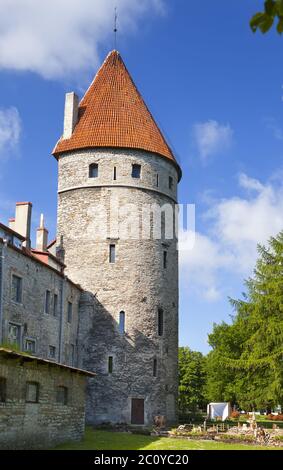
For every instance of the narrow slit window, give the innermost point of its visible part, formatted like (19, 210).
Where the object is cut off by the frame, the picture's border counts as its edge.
(157, 180)
(3, 390)
(112, 253)
(160, 322)
(154, 367)
(114, 173)
(164, 259)
(122, 322)
(170, 182)
(110, 364)
(93, 170)
(47, 302)
(136, 171)
(17, 283)
(70, 312)
(55, 305)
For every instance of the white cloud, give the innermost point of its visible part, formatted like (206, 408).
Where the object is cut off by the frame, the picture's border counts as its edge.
(236, 226)
(10, 130)
(61, 38)
(273, 126)
(212, 138)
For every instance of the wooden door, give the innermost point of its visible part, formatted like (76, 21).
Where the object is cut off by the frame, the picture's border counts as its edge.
(137, 411)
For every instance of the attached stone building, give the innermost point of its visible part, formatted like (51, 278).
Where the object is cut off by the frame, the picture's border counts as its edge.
(42, 403)
(39, 305)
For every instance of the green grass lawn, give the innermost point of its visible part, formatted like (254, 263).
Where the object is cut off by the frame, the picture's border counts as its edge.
(106, 440)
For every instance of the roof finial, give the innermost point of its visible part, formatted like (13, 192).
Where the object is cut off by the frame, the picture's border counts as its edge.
(41, 225)
(115, 27)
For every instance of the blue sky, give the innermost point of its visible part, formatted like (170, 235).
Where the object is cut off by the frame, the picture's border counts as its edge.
(216, 91)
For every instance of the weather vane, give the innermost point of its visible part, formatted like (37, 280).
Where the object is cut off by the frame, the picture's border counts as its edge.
(115, 27)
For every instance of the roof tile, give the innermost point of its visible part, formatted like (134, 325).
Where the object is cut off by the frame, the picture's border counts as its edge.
(113, 114)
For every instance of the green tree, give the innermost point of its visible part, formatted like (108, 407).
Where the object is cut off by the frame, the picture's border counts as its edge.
(273, 11)
(192, 378)
(246, 361)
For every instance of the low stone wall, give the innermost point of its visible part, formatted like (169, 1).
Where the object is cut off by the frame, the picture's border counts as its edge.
(47, 422)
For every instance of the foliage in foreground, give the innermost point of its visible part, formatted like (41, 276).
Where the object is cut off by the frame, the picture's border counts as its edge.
(192, 379)
(264, 20)
(245, 365)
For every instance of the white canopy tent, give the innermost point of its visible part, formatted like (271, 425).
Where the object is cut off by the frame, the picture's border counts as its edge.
(215, 410)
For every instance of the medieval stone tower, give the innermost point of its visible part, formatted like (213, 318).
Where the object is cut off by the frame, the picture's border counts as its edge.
(112, 150)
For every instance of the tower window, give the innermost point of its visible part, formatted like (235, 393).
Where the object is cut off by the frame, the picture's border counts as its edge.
(70, 312)
(160, 322)
(47, 302)
(110, 364)
(136, 171)
(114, 173)
(122, 322)
(17, 283)
(164, 259)
(3, 389)
(154, 367)
(93, 170)
(170, 182)
(112, 253)
(157, 180)
(55, 305)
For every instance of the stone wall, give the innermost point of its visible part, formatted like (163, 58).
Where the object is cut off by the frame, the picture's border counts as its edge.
(46, 329)
(46, 423)
(136, 283)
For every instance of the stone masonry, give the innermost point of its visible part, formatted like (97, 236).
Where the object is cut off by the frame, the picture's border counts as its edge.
(46, 421)
(137, 283)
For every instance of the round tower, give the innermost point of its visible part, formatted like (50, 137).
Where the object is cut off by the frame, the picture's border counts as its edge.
(117, 181)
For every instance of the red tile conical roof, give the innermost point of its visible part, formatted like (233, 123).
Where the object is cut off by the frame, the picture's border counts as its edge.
(113, 114)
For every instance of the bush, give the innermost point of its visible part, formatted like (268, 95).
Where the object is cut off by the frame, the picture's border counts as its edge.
(275, 417)
(237, 437)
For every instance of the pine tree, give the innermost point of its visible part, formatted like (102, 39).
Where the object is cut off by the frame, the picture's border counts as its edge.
(250, 351)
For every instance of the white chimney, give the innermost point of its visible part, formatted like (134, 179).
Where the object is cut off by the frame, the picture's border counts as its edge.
(23, 221)
(12, 223)
(41, 236)
(71, 114)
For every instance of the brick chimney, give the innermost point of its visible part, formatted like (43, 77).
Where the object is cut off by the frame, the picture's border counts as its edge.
(41, 236)
(23, 221)
(71, 114)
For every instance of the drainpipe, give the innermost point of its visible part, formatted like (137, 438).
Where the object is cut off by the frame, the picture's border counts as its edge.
(2, 268)
(61, 328)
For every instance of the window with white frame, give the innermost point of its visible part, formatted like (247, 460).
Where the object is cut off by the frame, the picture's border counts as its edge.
(30, 345)
(14, 334)
(52, 352)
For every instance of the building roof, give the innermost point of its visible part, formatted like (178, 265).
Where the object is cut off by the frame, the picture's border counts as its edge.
(113, 113)
(9, 353)
(11, 232)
